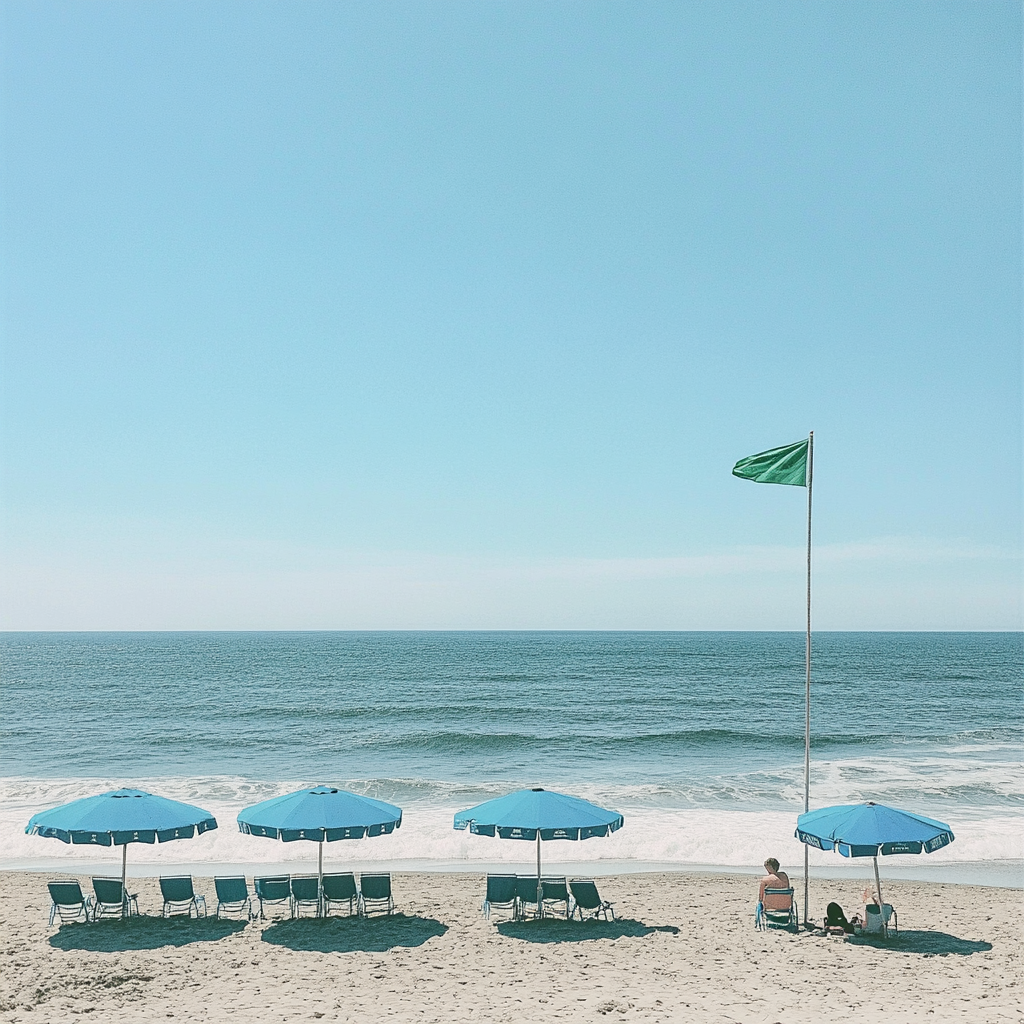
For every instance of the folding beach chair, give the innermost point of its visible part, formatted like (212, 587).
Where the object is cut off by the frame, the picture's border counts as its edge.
(111, 900)
(68, 902)
(587, 900)
(554, 891)
(778, 909)
(273, 890)
(877, 922)
(341, 888)
(305, 894)
(501, 893)
(375, 889)
(180, 897)
(233, 895)
(526, 895)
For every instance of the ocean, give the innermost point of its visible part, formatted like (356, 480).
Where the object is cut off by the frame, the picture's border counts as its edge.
(697, 738)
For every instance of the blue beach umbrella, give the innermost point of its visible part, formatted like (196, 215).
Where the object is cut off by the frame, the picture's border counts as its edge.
(120, 817)
(536, 814)
(870, 830)
(320, 814)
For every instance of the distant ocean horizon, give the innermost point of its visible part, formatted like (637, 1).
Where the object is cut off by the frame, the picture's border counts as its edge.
(696, 737)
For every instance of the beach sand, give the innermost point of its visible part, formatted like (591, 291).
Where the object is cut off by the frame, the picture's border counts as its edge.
(682, 949)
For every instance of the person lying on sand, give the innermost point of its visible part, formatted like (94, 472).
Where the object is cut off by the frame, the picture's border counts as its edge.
(775, 879)
(835, 921)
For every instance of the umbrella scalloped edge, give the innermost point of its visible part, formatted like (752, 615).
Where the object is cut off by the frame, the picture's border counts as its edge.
(121, 838)
(883, 849)
(319, 835)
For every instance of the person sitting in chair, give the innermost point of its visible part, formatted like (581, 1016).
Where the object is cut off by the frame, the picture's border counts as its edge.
(775, 879)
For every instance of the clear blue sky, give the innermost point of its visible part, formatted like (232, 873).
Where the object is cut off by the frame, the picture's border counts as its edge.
(355, 315)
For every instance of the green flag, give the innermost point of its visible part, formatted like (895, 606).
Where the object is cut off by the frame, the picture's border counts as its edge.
(778, 466)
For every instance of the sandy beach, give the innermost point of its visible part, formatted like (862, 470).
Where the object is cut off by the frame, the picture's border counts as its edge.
(683, 948)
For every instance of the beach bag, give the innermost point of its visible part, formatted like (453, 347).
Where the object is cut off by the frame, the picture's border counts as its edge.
(873, 920)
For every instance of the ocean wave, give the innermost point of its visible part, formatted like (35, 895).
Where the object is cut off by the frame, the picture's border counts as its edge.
(650, 836)
(972, 789)
(607, 735)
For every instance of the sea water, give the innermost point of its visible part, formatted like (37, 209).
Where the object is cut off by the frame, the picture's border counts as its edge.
(697, 738)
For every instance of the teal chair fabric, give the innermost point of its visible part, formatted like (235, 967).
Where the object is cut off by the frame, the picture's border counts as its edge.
(526, 893)
(554, 893)
(501, 894)
(232, 895)
(67, 902)
(375, 893)
(180, 896)
(340, 889)
(305, 894)
(587, 900)
(273, 890)
(111, 900)
(778, 909)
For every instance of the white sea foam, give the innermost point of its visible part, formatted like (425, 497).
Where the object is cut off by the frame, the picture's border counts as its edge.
(655, 832)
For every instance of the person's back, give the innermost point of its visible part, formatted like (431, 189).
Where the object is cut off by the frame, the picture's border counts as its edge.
(775, 879)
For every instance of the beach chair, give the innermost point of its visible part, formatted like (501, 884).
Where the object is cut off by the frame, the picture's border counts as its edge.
(111, 900)
(305, 894)
(587, 900)
(375, 893)
(341, 888)
(554, 891)
(68, 902)
(526, 895)
(876, 922)
(233, 895)
(273, 890)
(778, 909)
(501, 893)
(180, 897)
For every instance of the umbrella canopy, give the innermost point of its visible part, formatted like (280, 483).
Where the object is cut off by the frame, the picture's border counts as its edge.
(536, 814)
(118, 818)
(539, 814)
(321, 814)
(867, 830)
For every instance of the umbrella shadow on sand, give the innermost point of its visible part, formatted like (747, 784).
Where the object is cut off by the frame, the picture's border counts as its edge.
(353, 934)
(142, 933)
(549, 930)
(923, 943)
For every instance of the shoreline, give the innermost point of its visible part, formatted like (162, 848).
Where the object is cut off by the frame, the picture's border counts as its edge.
(986, 874)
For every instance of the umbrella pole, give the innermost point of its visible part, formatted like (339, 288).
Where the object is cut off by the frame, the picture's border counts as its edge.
(540, 906)
(320, 882)
(807, 692)
(878, 891)
(124, 881)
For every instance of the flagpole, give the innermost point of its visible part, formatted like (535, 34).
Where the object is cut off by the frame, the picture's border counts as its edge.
(807, 660)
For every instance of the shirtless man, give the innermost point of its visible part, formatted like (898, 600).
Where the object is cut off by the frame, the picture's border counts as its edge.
(775, 879)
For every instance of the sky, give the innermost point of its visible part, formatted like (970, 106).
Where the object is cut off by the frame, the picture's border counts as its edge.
(453, 315)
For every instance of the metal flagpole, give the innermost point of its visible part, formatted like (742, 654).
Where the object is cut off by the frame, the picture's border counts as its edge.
(807, 658)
